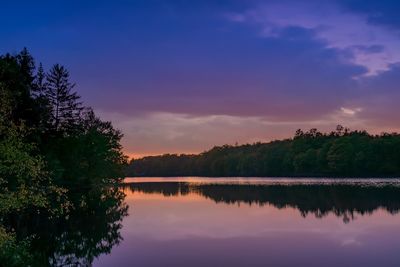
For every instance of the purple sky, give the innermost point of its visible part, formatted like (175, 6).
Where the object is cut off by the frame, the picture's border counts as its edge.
(182, 76)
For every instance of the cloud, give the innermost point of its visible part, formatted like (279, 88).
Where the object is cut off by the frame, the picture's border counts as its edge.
(158, 133)
(349, 111)
(380, 95)
(182, 77)
(253, 75)
(351, 242)
(286, 78)
(372, 45)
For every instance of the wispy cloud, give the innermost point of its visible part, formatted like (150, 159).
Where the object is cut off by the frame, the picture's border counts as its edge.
(161, 132)
(370, 45)
(350, 111)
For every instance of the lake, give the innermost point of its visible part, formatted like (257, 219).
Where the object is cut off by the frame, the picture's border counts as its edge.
(258, 222)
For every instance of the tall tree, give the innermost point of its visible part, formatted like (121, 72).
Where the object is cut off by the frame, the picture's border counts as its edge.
(40, 81)
(16, 86)
(42, 104)
(64, 103)
(27, 65)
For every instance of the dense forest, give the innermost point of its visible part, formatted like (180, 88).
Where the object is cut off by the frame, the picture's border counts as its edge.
(340, 153)
(56, 157)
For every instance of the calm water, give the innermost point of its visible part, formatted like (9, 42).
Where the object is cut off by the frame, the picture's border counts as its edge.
(258, 222)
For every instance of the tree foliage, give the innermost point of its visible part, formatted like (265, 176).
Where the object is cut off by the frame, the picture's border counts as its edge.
(340, 153)
(63, 102)
(50, 144)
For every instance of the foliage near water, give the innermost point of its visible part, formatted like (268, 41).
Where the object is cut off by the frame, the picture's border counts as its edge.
(54, 153)
(340, 153)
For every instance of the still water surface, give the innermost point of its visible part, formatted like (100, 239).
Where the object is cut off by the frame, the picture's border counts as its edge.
(258, 222)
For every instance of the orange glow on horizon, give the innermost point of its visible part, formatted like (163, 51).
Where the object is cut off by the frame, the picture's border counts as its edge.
(132, 155)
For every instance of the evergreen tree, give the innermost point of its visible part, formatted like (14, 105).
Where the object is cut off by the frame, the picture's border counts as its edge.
(64, 103)
(27, 65)
(42, 104)
(16, 86)
(40, 81)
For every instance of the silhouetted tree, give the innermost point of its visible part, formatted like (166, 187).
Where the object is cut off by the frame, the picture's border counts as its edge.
(40, 81)
(27, 65)
(48, 148)
(64, 103)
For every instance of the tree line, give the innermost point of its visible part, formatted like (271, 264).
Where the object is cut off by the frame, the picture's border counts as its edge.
(50, 146)
(340, 153)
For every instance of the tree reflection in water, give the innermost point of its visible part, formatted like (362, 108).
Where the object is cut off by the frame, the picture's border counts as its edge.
(90, 228)
(92, 225)
(340, 199)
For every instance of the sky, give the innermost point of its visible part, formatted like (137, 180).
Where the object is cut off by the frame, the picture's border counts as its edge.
(183, 76)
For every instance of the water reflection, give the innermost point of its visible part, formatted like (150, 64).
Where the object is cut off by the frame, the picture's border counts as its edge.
(221, 224)
(262, 223)
(343, 200)
(90, 228)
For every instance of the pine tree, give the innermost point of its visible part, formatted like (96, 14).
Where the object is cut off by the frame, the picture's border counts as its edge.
(27, 65)
(40, 81)
(64, 103)
(16, 83)
(42, 103)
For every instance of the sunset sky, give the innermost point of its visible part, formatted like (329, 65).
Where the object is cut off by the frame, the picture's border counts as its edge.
(183, 76)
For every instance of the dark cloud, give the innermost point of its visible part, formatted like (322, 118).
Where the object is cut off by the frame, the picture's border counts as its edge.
(382, 12)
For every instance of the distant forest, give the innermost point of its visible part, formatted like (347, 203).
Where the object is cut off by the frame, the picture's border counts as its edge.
(340, 153)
